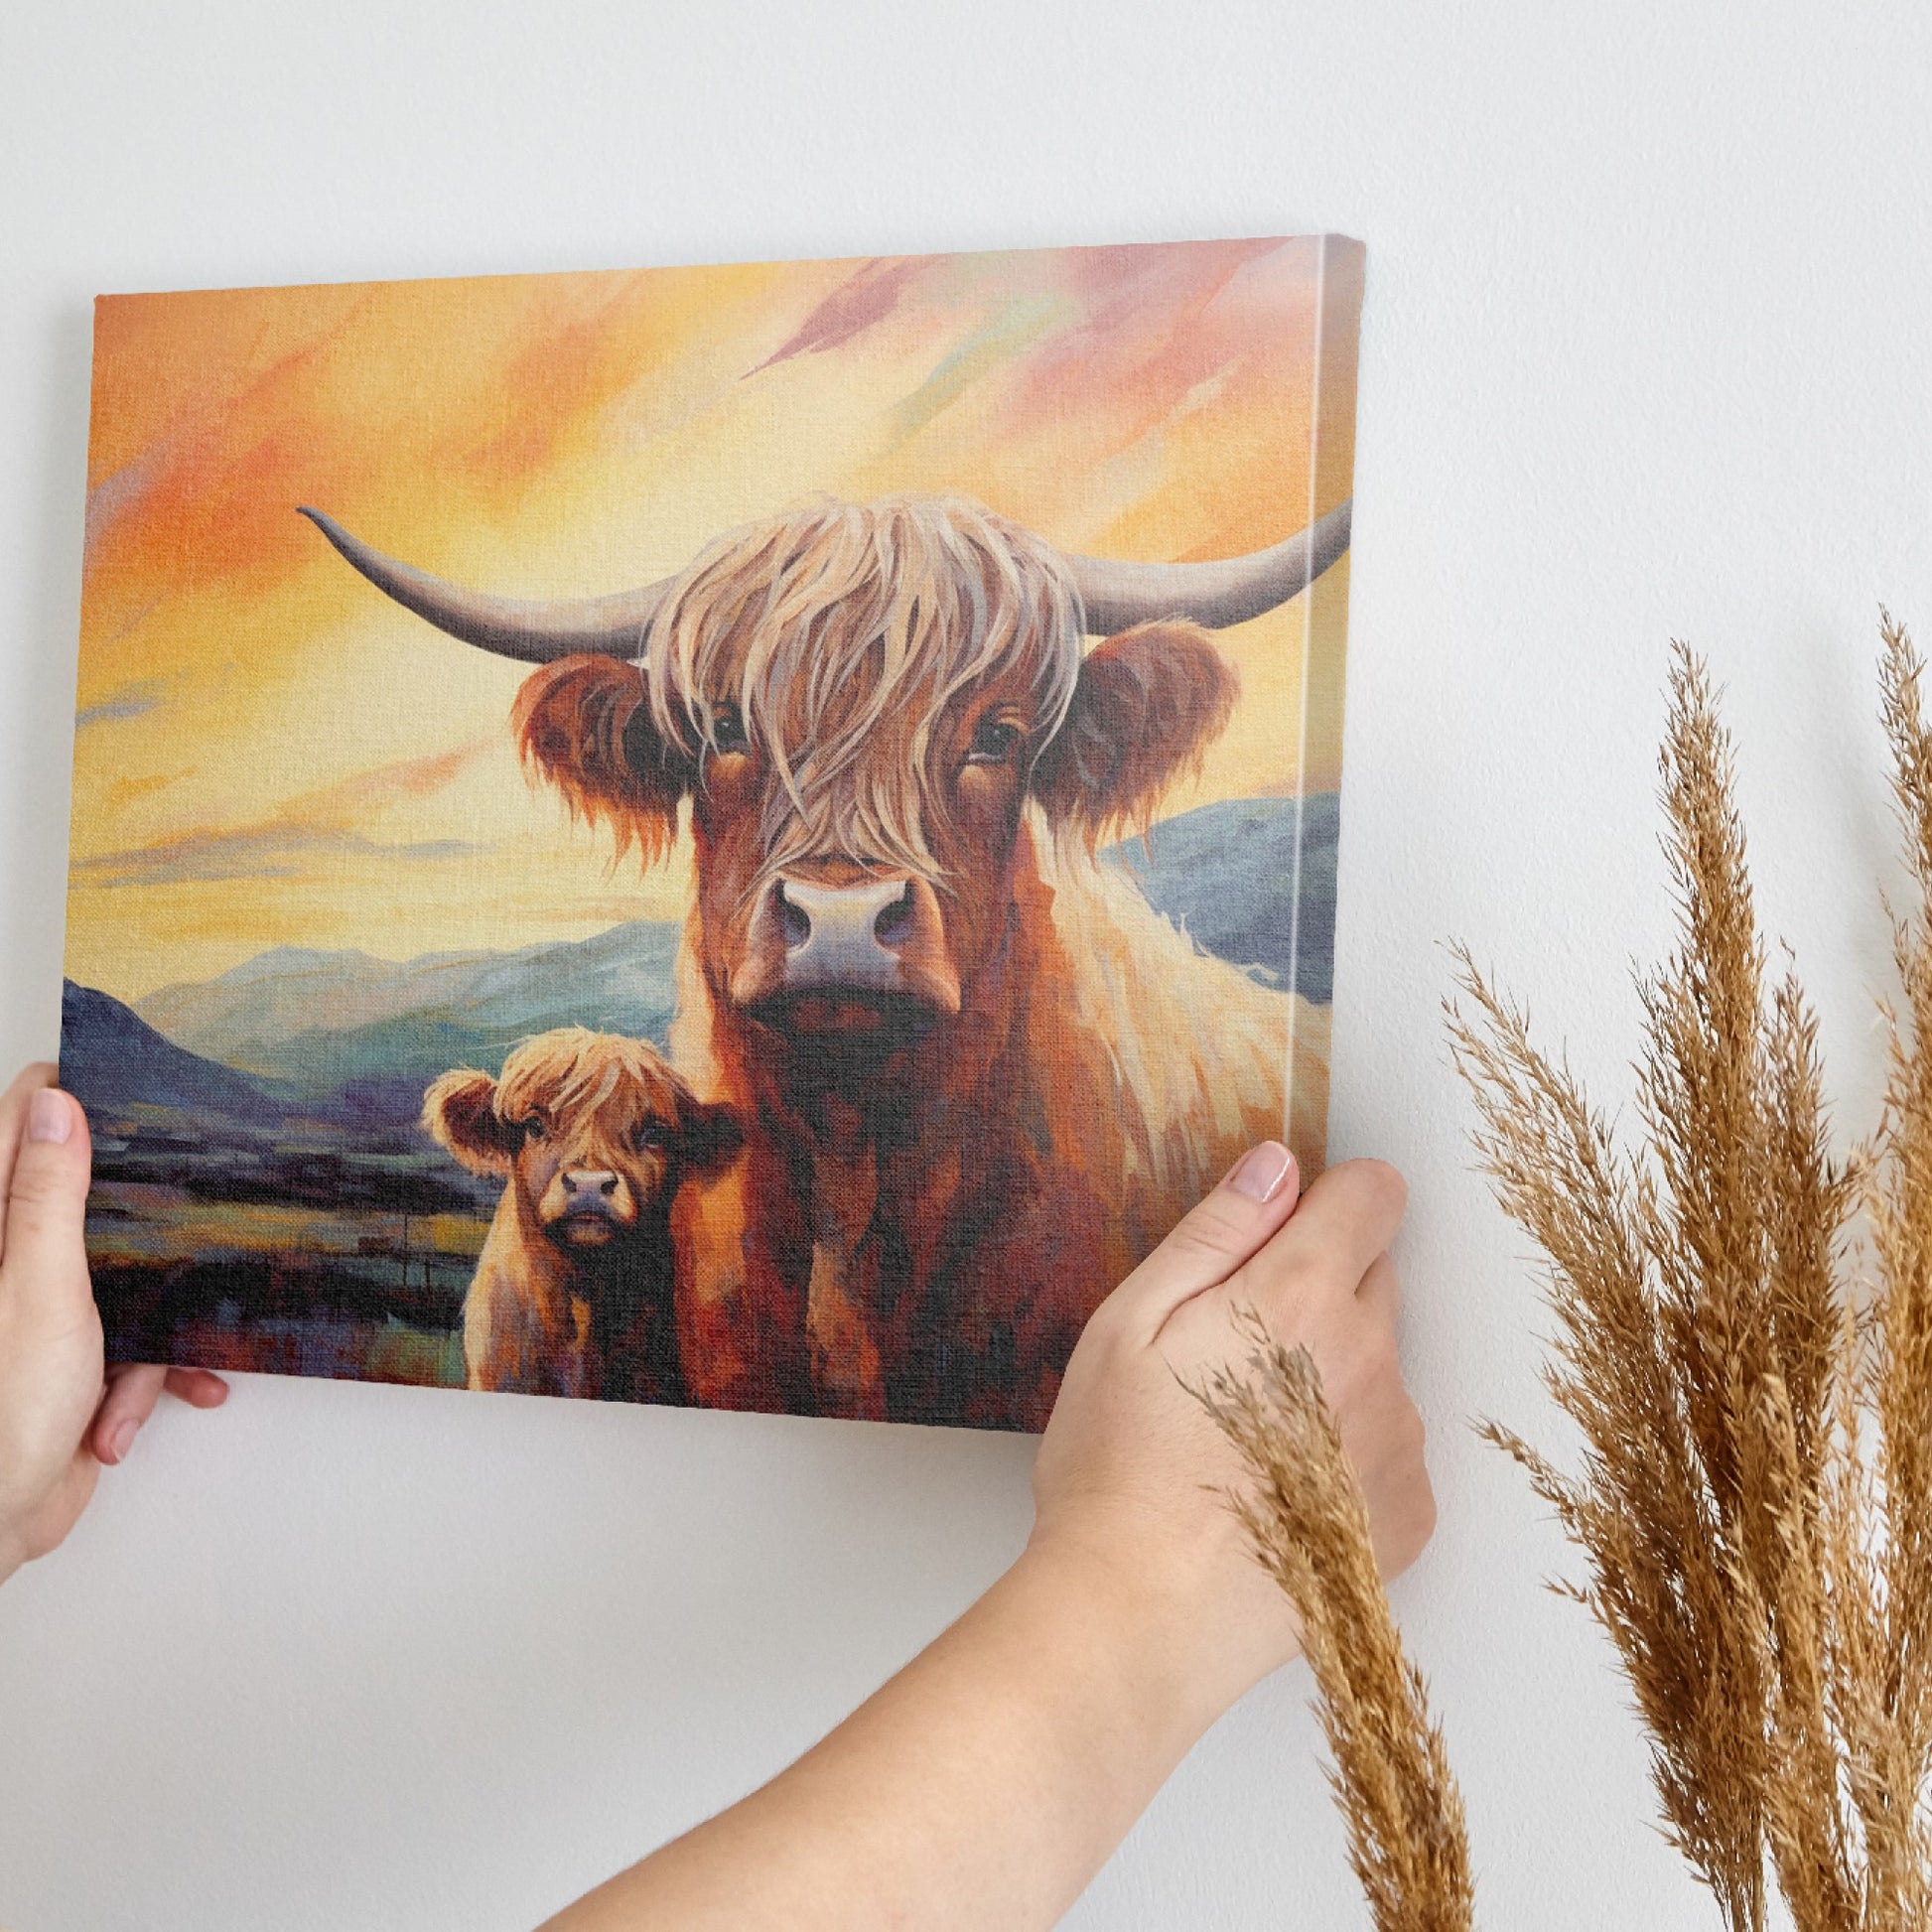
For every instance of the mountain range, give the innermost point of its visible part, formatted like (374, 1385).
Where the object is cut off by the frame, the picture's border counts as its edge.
(110, 1057)
(317, 1021)
(357, 1035)
(1226, 873)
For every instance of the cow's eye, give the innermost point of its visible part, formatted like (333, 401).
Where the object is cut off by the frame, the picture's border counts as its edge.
(728, 728)
(994, 741)
(652, 1137)
(533, 1128)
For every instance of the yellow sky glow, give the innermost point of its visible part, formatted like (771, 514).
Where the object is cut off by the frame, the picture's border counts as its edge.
(268, 753)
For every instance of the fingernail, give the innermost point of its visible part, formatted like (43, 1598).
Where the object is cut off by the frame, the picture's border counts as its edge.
(50, 1115)
(1260, 1171)
(122, 1440)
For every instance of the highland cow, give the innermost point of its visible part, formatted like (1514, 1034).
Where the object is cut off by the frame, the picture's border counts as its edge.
(979, 1076)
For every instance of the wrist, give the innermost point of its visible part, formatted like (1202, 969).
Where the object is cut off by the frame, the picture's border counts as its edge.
(1161, 1631)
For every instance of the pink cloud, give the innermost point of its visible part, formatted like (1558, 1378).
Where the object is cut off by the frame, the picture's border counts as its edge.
(860, 301)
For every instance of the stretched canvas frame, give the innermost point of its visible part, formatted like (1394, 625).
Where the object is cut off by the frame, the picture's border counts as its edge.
(744, 836)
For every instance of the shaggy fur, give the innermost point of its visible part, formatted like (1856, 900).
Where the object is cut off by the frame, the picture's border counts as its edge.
(1103, 1081)
(897, 690)
(579, 1303)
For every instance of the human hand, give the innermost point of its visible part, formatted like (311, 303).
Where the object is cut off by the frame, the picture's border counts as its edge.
(1132, 1470)
(62, 1414)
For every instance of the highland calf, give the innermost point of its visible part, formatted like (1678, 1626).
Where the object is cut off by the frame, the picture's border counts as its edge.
(575, 1291)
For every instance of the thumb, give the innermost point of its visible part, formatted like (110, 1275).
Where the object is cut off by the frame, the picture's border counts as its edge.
(44, 1263)
(1237, 1218)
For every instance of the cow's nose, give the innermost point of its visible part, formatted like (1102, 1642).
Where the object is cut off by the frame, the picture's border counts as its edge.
(875, 935)
(590, 1183)
(847, 935)
(869, 935)
(842, 935)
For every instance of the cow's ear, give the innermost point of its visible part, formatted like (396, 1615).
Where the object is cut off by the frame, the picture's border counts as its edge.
(709, 1137)
(460, 1113)
(1147, 706)
(583, 723)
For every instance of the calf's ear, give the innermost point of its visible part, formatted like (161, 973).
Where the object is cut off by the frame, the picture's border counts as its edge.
(1147, 706)
(709, 1137)
(584, 725)
(460, 1113)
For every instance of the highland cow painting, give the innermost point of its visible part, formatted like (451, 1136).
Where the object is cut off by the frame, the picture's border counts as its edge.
(745, 837)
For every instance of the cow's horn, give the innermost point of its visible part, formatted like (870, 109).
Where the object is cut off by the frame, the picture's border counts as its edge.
(1118, 596)
(531, 629)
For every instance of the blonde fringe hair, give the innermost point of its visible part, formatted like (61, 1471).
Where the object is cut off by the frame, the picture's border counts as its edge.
(931, 594)
(572, 1071)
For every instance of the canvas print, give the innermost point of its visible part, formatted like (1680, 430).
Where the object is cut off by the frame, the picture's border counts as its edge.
(739, 836)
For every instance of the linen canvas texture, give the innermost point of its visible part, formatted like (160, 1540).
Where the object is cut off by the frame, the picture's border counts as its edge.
(741, 836)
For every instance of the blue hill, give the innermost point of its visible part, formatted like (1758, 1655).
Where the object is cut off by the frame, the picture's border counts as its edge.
(1227, 873)
(110, 1058)
(317, 1021)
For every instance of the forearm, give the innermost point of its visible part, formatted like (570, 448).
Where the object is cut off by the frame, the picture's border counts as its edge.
(984, 1785)
(991, 1778)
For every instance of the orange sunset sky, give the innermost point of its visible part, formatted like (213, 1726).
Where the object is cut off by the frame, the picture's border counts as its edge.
(268, 753)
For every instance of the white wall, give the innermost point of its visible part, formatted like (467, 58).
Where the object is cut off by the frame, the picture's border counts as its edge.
(1644, 355)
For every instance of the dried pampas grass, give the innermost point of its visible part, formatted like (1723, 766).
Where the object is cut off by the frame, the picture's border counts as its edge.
(1754, 1390)
(1309, 1524)
(1754, 1497)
